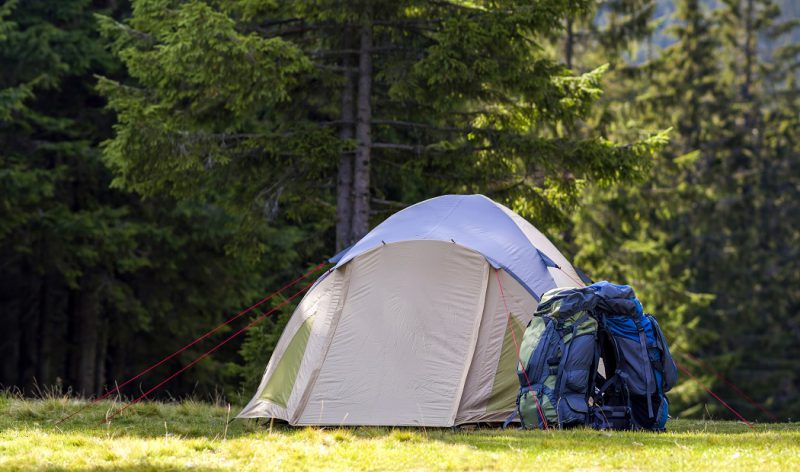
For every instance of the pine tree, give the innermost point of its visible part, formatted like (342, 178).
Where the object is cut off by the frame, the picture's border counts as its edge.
(754, 186)
(96, 284)
(639, 233)
(328, 117)
(435, 89)
(707, 236)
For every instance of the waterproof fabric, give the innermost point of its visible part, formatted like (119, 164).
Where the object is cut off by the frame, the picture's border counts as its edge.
(408, 357)
(419, 332)
(478, 223)
(491, 386)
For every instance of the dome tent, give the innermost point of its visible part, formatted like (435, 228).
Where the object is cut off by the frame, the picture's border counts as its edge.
(411, 327)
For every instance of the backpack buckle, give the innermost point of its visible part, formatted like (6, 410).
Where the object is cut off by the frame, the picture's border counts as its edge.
(639, 326)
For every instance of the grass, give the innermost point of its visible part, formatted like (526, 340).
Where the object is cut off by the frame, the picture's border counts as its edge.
(178, 436)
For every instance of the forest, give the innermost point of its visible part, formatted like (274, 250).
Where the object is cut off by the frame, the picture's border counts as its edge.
(166, 163)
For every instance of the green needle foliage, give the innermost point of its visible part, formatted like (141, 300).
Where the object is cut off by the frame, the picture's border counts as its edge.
(245, 103)
(166, 163)
(709, 238)
(312, 116)
(97, 284)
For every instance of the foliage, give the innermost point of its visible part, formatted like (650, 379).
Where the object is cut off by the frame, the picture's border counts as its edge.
(165, 163)
(708, 238)
(239, 105)
(89, 272)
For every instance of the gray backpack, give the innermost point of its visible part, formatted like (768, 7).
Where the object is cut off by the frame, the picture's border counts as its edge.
(570, 333)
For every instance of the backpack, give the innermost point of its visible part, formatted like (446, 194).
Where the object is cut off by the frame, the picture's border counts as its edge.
(562, 380)
(559, 347)
(640, 371)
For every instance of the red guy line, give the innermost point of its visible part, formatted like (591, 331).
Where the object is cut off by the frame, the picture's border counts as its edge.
(514, 336)
(209, 333)
(729, 384)
(204, 355)
(685, 371)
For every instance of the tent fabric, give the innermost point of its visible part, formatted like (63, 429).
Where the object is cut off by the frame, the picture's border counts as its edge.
(473, 221)
(280, 384)
(414, 330)
(429, 321)
(479, 389)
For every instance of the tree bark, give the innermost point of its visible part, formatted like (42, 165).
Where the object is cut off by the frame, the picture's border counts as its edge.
(102, 354)
(119, 367)
(69, 368)
(43, 369)
(25, 327)
(344, 183)
(749, 51)
(363, 131)
(29, 330)
(569, 44)
(9, 346)
(83, 340)
(88, 344)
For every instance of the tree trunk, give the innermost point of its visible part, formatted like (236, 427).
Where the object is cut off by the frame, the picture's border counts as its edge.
(29, 330)
(102, 354)
(363, 131)
(749, 52)
(9, 346)
(88, 344)
(26, 329)
(84, 334)
(70, 369)
(344, 184)
(119, 364)
(43, 371)
(569, 44)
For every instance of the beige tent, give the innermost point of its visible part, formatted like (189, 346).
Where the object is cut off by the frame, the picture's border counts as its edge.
(417, 324)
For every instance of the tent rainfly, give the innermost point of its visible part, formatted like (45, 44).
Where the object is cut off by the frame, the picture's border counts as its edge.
(411, 327)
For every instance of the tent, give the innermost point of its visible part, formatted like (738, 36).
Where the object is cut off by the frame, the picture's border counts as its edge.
(417, 324)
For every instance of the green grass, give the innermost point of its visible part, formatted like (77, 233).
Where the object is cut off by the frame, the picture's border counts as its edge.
(158, 436)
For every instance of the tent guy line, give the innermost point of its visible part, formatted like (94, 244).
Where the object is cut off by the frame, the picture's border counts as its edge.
(704, 366)
(516, 346)
(407, 298)
(686, 371)
(197, 340)
(204, 355)
(415, 287)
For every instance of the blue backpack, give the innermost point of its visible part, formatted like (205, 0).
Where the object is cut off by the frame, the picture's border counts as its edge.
(591, 357)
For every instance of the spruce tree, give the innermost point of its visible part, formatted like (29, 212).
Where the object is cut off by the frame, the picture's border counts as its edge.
(706, 236)
(308, 120)
(755, 190)
(272, 100)
(97, 284)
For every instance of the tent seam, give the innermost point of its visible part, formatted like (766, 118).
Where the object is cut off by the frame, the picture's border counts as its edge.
(301, 405)
(474, 344)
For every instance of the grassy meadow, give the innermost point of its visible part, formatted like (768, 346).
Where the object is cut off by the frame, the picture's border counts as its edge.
(193, 435)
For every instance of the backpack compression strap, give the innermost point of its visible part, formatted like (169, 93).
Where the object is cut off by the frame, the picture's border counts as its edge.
(509, 419)
(648, 374)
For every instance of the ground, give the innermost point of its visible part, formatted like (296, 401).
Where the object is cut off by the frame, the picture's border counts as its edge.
(178, 436)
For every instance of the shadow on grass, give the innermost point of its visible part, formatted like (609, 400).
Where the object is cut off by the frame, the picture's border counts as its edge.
(192, 420)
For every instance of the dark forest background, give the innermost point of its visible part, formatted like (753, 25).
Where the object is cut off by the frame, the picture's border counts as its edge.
(164, 164)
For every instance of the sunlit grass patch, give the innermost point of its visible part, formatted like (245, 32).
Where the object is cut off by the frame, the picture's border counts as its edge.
(177, 436)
